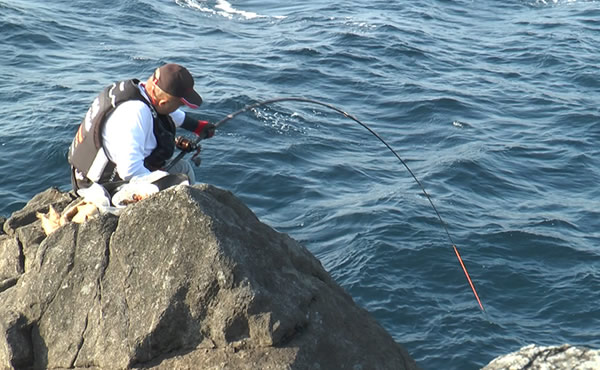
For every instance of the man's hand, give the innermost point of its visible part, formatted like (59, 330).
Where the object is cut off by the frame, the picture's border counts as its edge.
(202, 129)
(205, 129)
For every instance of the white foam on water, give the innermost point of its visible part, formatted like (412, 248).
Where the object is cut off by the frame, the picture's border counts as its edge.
(222, 8)
(195, 5)
(546, 2)
(229, 11)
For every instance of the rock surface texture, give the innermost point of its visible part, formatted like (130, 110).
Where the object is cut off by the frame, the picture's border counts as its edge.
(186, 279)
(533, 357)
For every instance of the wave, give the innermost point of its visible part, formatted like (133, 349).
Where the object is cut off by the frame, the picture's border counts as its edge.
(545, 2)
(222, 8)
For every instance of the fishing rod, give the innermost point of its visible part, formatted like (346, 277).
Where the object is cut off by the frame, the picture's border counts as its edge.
(310, 101)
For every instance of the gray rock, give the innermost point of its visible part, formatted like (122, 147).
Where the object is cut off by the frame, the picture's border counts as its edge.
(16, 349)
(11, 262)
(38, 203)
(188, 278)
(534, 357)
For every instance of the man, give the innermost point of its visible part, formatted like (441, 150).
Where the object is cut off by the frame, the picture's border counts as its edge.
(129, 130)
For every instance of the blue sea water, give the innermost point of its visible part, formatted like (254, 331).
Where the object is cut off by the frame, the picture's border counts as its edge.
(493, 106)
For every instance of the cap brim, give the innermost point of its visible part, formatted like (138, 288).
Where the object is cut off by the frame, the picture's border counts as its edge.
(192, 100)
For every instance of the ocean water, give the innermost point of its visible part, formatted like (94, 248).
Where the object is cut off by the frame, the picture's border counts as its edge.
(493, 106)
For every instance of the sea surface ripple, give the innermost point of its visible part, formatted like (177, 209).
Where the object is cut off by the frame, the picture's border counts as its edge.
(492, 105)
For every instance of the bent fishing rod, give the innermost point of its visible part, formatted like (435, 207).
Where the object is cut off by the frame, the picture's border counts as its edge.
(353, 118)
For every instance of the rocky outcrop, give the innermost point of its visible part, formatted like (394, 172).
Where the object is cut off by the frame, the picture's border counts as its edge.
(188, 278)
(533, 357)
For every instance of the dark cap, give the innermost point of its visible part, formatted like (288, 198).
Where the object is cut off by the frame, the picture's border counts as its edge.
(177, 81)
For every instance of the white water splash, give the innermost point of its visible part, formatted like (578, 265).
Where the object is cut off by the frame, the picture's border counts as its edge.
(229, 11)
(222, 8)
(546, 2)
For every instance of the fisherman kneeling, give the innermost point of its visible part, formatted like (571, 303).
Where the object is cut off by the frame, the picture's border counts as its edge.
(129, 130)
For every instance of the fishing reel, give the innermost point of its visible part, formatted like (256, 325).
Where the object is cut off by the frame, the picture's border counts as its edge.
(187, 146)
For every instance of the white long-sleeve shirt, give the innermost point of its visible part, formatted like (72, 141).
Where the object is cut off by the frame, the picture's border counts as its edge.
(128, 136)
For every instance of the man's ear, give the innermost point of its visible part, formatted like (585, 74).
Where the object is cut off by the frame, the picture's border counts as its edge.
(161, 102)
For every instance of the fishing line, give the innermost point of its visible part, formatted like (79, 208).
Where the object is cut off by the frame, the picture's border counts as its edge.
(305, 100)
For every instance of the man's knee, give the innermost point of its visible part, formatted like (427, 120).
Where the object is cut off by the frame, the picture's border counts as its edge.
(186, 168)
